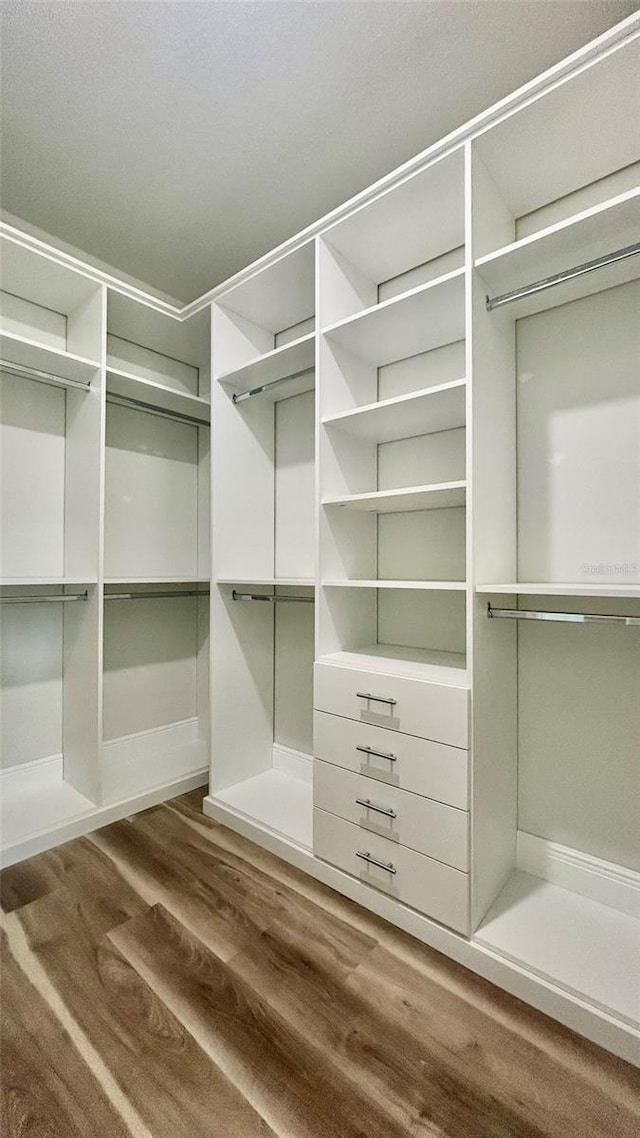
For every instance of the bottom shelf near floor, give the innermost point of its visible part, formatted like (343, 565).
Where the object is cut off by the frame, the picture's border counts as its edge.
(585, 947)
(35, 799)
(276, 799)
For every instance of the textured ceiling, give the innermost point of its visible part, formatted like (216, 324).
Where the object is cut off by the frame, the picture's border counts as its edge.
(180, 140)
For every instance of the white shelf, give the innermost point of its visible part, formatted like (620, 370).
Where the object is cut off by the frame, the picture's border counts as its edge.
(156, 580)
(587, 948)
(48, 581)
(439, 496)
(551, 589)
(158, 395)
(22, 352)
(275, 365)
(447, 586)
(276, 800)
(35, 799)
(396, 660)
(593, 233)
(422, 412)
(302, 582)
(417, 321)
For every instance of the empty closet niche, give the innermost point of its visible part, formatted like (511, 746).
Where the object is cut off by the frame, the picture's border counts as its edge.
(262, 718)
(156, 496)
(409, 236)
(50, 483)
(264, 488)
(263, 330)
(155, 686)
(558, 188)
(156, 359)
(48, 709)
(410, 631)
(51, 319)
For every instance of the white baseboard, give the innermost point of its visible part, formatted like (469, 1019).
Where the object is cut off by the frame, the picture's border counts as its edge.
(296, 763)
(143, 746)
(21, 775)
(591, 877)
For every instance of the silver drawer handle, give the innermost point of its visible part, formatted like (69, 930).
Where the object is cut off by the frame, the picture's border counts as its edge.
(378, 809)
(376, 698)
(388, 865)
(379, 754)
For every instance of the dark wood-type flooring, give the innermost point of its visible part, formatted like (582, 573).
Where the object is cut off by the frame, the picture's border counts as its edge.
(164, 978)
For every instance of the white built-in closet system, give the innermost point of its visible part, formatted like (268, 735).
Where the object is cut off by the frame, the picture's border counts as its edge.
(425, 578)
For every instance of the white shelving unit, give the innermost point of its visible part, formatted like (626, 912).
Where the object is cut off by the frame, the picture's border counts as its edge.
(397, 444)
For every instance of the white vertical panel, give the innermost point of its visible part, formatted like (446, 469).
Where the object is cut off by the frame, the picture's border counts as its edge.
(295, 486)
(32, 478)
(293, 718)
(151, 505)
(31, 683)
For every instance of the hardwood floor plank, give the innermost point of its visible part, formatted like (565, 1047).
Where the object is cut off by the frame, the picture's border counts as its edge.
(562, 1103)
(171, 1083)
(281, 1071)
(251, 895)
(422, 1083)
(47, 1088)
(29, 880)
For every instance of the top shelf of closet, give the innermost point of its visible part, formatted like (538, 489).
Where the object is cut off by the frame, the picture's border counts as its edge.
(282, 363)
(416, 321)
(593, 233)
(50, 316)
(558, 589)
(157, 395)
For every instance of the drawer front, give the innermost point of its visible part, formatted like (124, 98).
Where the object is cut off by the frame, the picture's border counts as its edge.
(433, 769)
(417, 707)
(434, 889)
(428, 827)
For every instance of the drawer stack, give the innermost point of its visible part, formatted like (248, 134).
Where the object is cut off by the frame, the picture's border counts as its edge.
(391, 786)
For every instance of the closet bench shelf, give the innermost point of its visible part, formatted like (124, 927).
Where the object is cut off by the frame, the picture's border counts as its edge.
(20, 352)
(432, 409)
(416, 321)
(438, 496)
(596, 232)
(273, 799)
(398, 660)
(129, 386)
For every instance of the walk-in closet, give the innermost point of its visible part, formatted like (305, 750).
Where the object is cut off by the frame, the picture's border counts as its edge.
(354, 539)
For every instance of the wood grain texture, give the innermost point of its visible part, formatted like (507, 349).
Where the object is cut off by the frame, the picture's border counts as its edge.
(225, 994)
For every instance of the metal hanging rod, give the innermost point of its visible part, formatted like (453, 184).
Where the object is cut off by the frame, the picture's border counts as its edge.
(42, 599)
(150, 409)
(270, 598)
(569, 617)
(25, 372)
(560, 278)
(148, 596)
(267, 386)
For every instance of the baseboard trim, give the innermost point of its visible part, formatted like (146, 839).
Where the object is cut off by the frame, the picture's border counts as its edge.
(49, 768)
(296, 763)
(579, 1015)
(144, 745)
(591, 877)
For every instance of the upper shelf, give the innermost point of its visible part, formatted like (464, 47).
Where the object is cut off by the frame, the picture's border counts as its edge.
(157, 395)
(274, 366)
(417, 321)
(58, 364)
(553, 589)
(596, 232)
(438, 496)
(424, 412)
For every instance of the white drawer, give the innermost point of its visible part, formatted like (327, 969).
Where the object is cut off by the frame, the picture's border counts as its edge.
(427, 885)
(428, 827)
(433, 769)
(417, 707)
